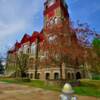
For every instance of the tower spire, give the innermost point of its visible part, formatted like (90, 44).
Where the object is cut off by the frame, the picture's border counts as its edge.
(55, 13)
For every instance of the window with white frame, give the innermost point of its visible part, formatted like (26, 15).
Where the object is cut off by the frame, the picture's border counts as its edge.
(25, 48)
(33, 48)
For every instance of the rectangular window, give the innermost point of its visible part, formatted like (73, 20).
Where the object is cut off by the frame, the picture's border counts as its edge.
(33, 49)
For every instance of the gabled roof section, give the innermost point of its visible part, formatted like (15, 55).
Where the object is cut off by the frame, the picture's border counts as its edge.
(34, 37)
(41, 36)
(25, 38)
(17, 45)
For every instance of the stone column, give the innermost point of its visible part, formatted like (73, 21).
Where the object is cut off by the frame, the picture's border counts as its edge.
(63, 71)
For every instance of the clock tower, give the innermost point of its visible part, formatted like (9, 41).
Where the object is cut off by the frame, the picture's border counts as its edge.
(55, 15)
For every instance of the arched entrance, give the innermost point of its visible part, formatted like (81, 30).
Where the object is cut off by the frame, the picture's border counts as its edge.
(47, 76)
(69, 76)
(28, 75)
(31, 75)
(78, 75)
(38, 76)
(72, 75)
(56, 76)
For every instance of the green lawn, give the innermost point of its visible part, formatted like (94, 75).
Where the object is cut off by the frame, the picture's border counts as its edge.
(89, 91)
(87, 88)
(33, 83)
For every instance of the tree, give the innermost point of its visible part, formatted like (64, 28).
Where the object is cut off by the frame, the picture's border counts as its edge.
(96, 46)
(96, 60)
(21, 64)
(92, 51)
(54, 54)
(85, 34)
(59, 46)
(1, 67)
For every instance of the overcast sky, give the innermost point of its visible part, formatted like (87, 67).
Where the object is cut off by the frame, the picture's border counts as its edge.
(18, 17)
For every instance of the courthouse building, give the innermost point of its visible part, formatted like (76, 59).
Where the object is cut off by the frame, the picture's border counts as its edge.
(56, 17)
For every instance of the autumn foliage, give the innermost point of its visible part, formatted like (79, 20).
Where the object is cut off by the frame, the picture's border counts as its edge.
(61, 46)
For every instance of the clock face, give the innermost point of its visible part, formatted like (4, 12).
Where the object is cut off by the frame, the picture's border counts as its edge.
(50, 2)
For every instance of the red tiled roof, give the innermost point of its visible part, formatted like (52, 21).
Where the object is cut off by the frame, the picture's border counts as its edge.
(36, 35)
(17, 45)
(41, 37)
(25, 38)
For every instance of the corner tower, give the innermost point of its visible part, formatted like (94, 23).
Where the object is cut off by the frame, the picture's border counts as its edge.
(55, 14)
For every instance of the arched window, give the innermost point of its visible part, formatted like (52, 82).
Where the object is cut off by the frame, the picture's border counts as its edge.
(33, 47)
(56, 76)
(78, 75)
(72, 75)
(28, 50)
(31, 75)
(69, 76)
(28, 75)
(47, 77)
(38, 75)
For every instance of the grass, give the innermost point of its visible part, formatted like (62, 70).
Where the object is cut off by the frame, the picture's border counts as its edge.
(90, 83)
(96, 77)
(87, 88)
(87, 91)
(42, 84)
(33, 83)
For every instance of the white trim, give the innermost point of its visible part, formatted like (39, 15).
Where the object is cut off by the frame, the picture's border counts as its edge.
(39, 72)
(56, 72)
(47, 72)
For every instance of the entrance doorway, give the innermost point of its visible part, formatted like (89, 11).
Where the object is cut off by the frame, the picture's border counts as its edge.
(47, 77)
(69, 76)
(56, 76)
(78, 75)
